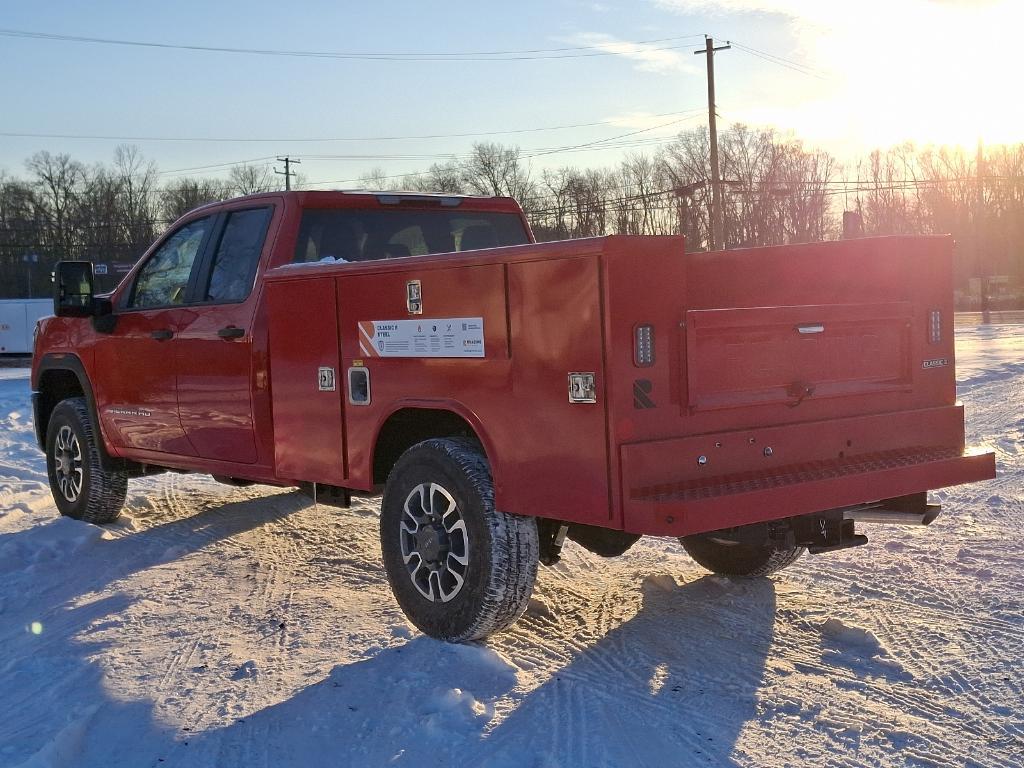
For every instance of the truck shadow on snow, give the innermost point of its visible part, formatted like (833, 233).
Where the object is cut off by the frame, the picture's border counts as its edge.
(673, 685)
(100, 561)
(50, 573)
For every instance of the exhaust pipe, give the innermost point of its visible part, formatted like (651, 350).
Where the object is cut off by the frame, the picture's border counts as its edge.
(887, 516)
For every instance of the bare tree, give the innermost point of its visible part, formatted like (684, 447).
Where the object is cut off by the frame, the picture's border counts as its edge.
(181, 196)
(98, 216)
(550, 218)
(775, 191)
(58, 179)
(137, 178)
(249, 179)
(377, 179)
(687, 168)
(493, 169)
(23, 228)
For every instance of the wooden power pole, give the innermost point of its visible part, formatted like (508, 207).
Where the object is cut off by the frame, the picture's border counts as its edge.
(717, 225)
(287, 172)
(981, 261)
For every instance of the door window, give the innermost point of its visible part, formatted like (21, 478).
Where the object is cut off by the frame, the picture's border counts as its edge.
(163, 279)
(237, 256)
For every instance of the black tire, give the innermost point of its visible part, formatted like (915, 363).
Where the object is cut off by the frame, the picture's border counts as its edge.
(81, 487)
(454, 582)
(729, 559)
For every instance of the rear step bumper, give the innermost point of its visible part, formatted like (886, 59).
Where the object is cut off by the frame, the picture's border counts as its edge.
(710, 502)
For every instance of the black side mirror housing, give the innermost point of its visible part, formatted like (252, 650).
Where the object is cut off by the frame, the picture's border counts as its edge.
(73, 289)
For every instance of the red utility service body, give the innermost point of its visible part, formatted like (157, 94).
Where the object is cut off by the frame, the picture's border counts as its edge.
(779, 381)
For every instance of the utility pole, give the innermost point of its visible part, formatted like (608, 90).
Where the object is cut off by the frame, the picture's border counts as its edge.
(717, 226)
(980, 253)
(287, 172)
(684, 197)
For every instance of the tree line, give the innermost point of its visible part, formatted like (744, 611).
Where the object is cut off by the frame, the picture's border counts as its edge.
(775, 191)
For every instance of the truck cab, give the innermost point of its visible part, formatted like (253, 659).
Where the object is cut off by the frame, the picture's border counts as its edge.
(190, 322)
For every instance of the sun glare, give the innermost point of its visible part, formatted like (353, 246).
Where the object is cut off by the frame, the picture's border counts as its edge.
(926, 71)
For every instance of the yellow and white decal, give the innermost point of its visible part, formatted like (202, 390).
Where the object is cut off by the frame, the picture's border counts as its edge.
(443, 337)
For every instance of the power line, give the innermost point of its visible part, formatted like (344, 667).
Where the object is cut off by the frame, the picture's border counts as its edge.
(542, 151)
(576, 52)
(611, 142)
(611, 138)
(781, 187)
(326, 139)
(217, 166)
(527, 154)
(781, 61)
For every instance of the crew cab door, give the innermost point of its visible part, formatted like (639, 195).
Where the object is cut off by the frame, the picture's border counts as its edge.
(214, 350)
(136, 391)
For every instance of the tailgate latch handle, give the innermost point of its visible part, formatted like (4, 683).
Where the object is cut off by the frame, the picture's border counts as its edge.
(810, 328)
(799, 391)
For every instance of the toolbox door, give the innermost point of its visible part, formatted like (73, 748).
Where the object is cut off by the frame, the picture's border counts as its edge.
(754, 356)
(306, 381)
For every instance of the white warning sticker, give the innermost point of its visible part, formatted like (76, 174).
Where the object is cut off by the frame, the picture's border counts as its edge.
(444, 337)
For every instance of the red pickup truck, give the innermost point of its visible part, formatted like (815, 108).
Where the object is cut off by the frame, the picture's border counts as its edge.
(504, 395)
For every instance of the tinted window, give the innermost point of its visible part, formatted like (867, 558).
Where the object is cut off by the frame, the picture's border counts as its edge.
(163, 279)
(361, 235)
(238, 254)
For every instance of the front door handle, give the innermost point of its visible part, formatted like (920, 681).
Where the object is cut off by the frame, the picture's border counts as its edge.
(231, 332)
(162, 334)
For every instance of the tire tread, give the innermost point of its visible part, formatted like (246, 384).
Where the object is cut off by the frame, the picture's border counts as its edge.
(105, 490)
(514, 545)
(739, 560)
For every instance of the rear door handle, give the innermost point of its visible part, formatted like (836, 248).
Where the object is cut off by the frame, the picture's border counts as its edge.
(810, 328)
(162, 334)
(231, 332)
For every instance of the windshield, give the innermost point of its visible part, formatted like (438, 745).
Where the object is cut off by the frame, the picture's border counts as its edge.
(349, 234)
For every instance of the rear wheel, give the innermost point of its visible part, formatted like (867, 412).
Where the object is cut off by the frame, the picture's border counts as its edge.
(460, 569)
(81, 487)
(738, 559)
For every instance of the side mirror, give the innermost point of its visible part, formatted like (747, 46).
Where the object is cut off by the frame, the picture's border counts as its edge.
(73, 289)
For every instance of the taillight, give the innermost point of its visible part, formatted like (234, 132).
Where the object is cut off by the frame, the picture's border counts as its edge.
(643, 346)
(935, 326)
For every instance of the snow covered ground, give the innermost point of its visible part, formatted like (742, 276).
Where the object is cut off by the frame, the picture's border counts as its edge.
(215, 626)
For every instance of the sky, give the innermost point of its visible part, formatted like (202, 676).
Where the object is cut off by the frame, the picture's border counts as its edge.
(846, 77)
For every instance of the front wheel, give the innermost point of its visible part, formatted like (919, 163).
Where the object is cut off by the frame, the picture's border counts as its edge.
(737, 559)
(81, 487)
(460, 569)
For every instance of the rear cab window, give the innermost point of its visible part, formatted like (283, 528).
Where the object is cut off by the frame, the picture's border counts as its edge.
(237, 255)
(350, 234)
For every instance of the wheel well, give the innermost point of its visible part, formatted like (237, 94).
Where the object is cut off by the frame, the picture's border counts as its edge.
(408, 426)
(55, 385)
